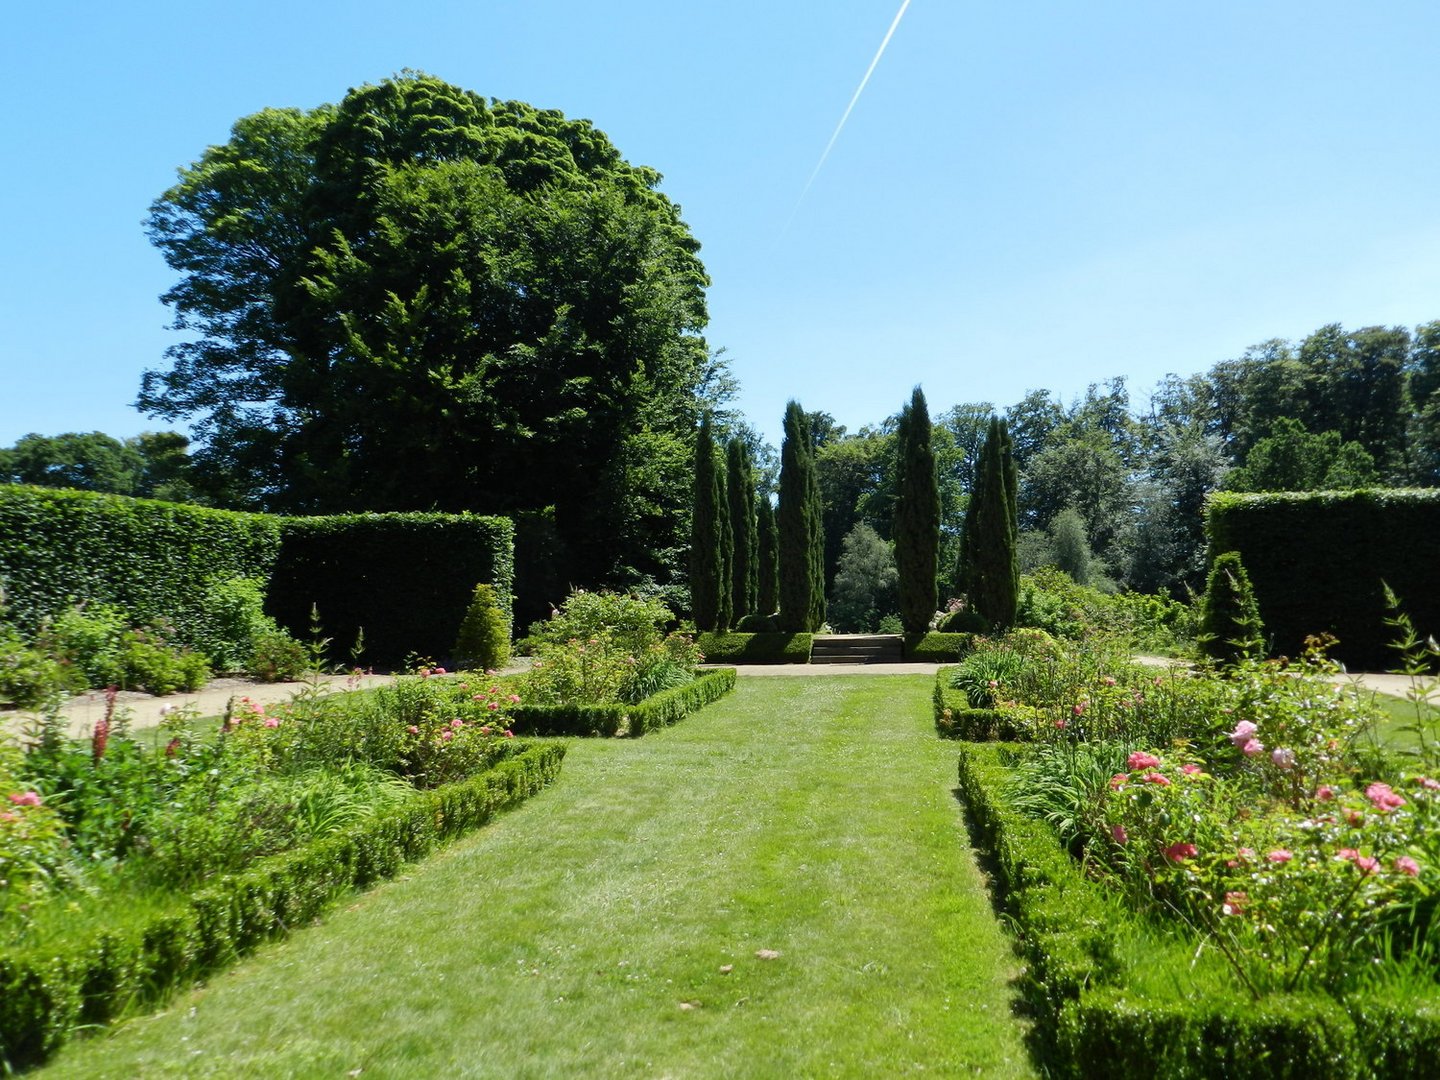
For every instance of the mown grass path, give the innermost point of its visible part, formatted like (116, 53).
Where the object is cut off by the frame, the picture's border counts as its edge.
(587, 933)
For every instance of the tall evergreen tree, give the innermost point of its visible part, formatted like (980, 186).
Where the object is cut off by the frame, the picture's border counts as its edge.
(816, 522)
(917, 516)
(993, 572)
(767, 586)
(800, 576)
(740, 487)
(724, 606)
(705, 551)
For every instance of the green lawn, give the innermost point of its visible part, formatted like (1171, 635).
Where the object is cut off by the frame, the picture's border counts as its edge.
(588, 932)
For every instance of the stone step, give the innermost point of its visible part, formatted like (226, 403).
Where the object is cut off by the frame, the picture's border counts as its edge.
(856, 649)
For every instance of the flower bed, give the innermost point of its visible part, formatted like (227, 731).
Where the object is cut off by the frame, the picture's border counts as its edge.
(611, 718)
(130, 866)
(1212, 874)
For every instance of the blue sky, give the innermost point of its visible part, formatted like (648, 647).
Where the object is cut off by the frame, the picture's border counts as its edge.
(1028, 194)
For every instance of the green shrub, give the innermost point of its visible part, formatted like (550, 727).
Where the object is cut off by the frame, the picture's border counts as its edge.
(484, 638)
(758, 624)
(987, 675)
(235, 624)
(91, 638)
(964, 621)
(756, 648)
(275, 656)
(156, 668)
(404, 579)
(31, 678)
(938, 647)
(659, 710)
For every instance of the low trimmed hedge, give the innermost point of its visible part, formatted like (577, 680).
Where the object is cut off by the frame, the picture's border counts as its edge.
(657, 711)
(732, 648)
(44, 996)
(938, 648)
(956, 719)
(1091, 1024)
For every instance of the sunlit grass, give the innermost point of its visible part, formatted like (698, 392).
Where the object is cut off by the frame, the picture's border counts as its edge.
(588, 933)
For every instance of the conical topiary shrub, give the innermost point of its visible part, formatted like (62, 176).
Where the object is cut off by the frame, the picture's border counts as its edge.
(1230, 626)
(484, 638)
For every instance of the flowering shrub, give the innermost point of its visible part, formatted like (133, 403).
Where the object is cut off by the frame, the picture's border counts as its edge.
(35, 856)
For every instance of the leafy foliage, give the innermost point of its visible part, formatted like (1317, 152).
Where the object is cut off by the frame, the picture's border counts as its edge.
(866, 583)
(484, 638)
(1230, 627)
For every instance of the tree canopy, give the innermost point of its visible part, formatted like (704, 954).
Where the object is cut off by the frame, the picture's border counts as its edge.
(420, 298)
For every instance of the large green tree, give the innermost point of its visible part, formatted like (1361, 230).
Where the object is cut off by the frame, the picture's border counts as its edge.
(421, 298)
(991, 573)
(917, 516)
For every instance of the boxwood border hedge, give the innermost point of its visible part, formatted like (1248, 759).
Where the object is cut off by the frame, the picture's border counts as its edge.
(1090, 1024)
(44, 996)
(956, 719)
(657, 711)
(935, 647)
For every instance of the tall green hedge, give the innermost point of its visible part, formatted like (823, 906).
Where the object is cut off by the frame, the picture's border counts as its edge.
(1319, 561)
(404, 578)
(151, 559)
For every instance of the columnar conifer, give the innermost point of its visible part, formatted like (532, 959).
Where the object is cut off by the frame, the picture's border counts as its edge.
(740, 488)
(706, 556)
(767, 586)
(1230, 626)
(989, 568)
(917, 516)
(801, 574)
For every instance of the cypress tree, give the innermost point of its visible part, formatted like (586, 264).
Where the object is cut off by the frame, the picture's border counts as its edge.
(740, 486)
(816, 522)
(767, 585)
(796, 526)
(705, 553)
(916, 526)
(724, 605)
(992, 531)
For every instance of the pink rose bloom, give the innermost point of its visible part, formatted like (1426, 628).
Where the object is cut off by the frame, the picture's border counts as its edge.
(514, 699)
(1367, 865)
(271, 722)
(1243, 733)
(413, 730)
(1141, 760)
(1325, 793)
(1406, 865)
(1079, 709)
(1180, 852)
(25, 798)
(1253, 747)
(1279, 855)
(1346, 854)
(1155, 778)
(424, 673)
(509, 734)
(1382, 798)
(1190, 768)
(1062, 723)
(1118, 781)
(457, 723)
(1427, 783)
(1282, 758)
(438, 671)
(1235, 903)
(1119, 834)
(493, 706)
(494, 689)
(447, 735)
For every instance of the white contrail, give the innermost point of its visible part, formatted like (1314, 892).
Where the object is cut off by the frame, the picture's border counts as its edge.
(850, 108)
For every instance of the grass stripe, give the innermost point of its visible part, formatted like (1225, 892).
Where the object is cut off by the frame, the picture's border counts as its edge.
(584, 934)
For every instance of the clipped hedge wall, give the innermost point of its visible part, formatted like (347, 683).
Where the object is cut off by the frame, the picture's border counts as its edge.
(657, 711)
(1318, 561)
(732, 648)
(405, 578)
(1090, 1024)
(938, 648)
(43, 997)
(151, 559)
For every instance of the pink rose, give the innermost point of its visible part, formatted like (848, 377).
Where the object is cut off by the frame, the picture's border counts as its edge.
(1141, 760)
(1118, 833)
(1243, 733)
(1367, 865)
(1406, 865)
(1279, 855)
(271, 722)
(446, 735)
(493, 706)
(1118, 781)
(1427, 783)
(457, 723)
(1190, 768)
(514, 699)
(25, 798)
(509, 734)
(1282, 758)
(1253, 747)
(1325, 793)
(1108, 680)
(1062, 723)
(1079, 709)
(438, 671)
(1180, 852)
(1346, 854)
(1383, 799)
(1155, 778)
(413, 730)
